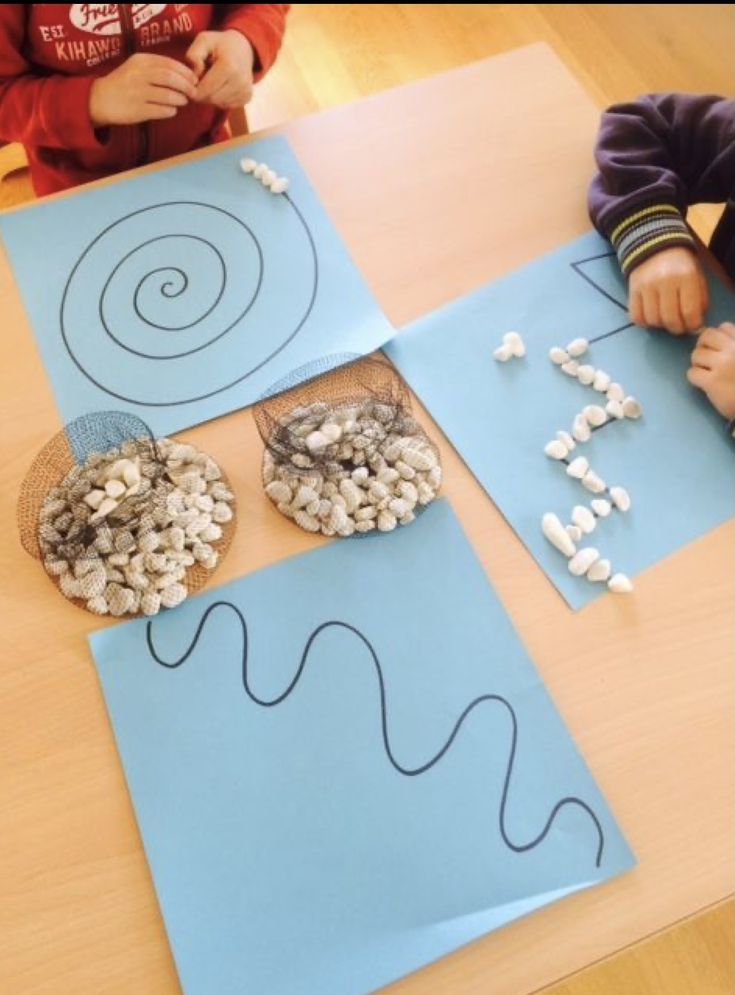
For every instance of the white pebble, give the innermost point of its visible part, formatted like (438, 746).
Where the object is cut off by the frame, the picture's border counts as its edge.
(583, 560)
(566, 439)
(172, 595)
(94, 499)
(570, 368)
(556, 449)
(106, 507)
(621, 498)
(620, 584)
(247, 166)
(332, 431)
(387, 521)
(574, 532)
(515, 343)
(581, 429)
(98, 605)
(583, 517)
(399, 507)
(259, 169)
(150, 603)
(615, 392)
(221, 513)
(267, 177)
(586, 374)
(578, 467)
(632, 408)
(614, 409)
(131, 475)
(557, 534)
(601, 507)
(593, 483)
(278, 491)
(279, 185)
(503, 353)
(558, 355)
(578, 347)
(595, 415)
(316, 441)
(599, 571)
(304, 495)
(601, 381)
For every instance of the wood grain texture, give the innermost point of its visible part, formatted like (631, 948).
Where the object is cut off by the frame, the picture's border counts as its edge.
(644, 685)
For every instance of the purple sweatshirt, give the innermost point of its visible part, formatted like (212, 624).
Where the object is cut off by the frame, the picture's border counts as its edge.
(657, 156)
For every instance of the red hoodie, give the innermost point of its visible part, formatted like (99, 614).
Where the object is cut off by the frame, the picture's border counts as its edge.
(50, 54)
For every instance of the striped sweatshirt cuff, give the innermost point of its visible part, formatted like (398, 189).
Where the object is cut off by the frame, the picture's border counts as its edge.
(647, 231)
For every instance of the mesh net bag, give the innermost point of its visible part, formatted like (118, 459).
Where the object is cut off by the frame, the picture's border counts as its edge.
(344, 455)
(124, 523)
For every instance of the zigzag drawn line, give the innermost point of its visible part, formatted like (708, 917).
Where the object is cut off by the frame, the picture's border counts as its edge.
(406, 771)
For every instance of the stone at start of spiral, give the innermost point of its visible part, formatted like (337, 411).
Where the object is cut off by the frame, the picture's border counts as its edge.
(578, 347)
(557, 534)
(515, 343)
(620, 584)
(583, 560)
(247, 165)
(578, 467)
(555, 449)
(279, 185)
(558, 355)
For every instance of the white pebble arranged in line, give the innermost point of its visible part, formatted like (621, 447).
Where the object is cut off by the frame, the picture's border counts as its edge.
(268, 177)
(620, 584)
(557, 534)
(138, 564)
(513, 346)
(377, 469)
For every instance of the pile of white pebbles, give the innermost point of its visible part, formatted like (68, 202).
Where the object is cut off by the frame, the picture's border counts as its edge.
(121, 530)
(350, 468)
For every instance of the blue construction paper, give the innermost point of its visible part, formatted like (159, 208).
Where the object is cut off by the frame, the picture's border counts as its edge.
(186, 293)
(677, 461)
(290, 855)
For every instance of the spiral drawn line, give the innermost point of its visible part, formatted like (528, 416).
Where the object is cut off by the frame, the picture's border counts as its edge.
(173, 283)
(406, 771)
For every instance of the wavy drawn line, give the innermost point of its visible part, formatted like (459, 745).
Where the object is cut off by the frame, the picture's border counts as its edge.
(406, 771)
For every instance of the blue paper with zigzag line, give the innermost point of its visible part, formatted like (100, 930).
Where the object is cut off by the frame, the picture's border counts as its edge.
(345, 766)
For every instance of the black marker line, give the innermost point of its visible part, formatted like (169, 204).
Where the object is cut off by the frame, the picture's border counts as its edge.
(606, 335)
(580, 262)
(406, 771)
(237, 380)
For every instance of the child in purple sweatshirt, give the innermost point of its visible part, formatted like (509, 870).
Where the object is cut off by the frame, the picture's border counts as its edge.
(656, 157)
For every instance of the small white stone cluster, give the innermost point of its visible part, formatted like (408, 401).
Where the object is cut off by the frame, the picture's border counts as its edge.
(513, 346)
(138, 523)
(587, 561)
(261, 171)
(367, 466)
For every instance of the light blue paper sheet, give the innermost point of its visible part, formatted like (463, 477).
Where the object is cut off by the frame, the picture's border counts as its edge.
(677, 461)
(186, 293)
(290, 853)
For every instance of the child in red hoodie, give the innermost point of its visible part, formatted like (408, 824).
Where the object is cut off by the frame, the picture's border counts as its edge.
(92, 89)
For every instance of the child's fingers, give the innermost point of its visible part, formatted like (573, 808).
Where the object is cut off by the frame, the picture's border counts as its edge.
(635, 307)
(693, 300)
(165, 97)
(671, 317)
(701, 356)
(727, 329)
(651, 311)
(213, 80)
(163, 64)
(157, 112)
(199, 52)
(698, 377)
(715, 338)
(174, 81)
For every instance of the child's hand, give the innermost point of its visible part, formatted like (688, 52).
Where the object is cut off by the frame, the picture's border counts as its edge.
(713, 367)
(669, 290)
(223, 61)
(144, 88)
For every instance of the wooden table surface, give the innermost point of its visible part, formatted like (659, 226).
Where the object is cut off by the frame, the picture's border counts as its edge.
(436, 187)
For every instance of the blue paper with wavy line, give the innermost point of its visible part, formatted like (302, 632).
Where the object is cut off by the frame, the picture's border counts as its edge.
(297, 844)
(185, 293)
(677, 461)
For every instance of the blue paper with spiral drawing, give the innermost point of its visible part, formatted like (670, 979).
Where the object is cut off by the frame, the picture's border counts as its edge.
(345, 766)
(186, 293)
